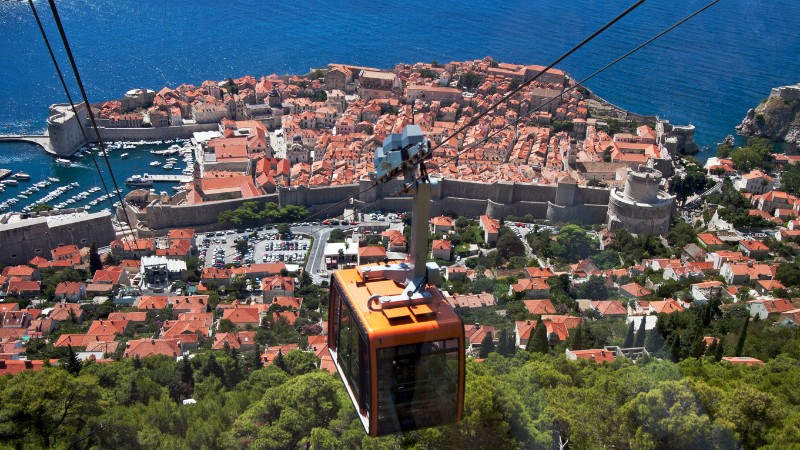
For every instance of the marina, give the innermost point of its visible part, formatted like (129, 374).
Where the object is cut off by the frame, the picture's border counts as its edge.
(31, 179)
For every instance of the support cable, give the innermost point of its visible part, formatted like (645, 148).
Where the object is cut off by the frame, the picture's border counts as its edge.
(69, 96)
(64, 39)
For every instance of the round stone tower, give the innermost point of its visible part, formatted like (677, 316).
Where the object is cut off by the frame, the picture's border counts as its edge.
(641, 207)
(642, 184)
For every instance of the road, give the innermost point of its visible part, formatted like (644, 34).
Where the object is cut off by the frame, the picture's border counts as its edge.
(317, 253)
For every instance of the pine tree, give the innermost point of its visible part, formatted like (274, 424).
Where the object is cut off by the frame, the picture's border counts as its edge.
(577, 339)
(487, 345)
(654, 341)
(212, 367)
(675, 348)
(279, 362)
(187, 372)
(95, 263)
(502, 344)
(133, 393)
(538, 343)
(253, 360)
(235, 373)
(712, 349)
(641, 333)
(303, 342)
(742, 337)
(72, 363)
(698, 348)
(629, 337)
(137, 362)
(719, 352)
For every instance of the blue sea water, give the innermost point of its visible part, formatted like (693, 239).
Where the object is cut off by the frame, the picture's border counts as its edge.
(708, 72)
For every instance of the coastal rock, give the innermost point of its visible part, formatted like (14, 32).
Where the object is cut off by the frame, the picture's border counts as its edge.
(777, 118)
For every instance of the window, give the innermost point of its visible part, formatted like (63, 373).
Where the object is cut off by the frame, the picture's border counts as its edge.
(353, 356)
(417, 385)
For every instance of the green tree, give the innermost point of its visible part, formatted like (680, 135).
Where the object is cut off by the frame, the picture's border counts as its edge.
(629, 337)
(641, 333)
(279, 362)
(225, 326)
(487, 346)
(698, 348)
(48, 408)
(742, 336)
(298, 362)
(284, 229)
(724, 150)
(95, 263)
(71, 362)
(576, 242)
(42, 207)
(539, 343)
(509, 245)
(337, 235)
(718, 352)
(594, 288)
(577, 339)
(286, 415)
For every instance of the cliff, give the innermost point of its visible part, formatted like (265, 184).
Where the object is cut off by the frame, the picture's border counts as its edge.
(776, 118)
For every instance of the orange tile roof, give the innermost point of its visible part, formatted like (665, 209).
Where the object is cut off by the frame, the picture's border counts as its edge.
(138, 316)
(598, 355)
(636, 290)
(148, 347)
(540, 307)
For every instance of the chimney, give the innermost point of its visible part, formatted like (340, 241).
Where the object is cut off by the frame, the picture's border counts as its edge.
(477, 326)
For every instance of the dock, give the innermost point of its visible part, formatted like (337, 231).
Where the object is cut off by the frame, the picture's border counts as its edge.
(4, 173)
(170, 178)
(42, 140)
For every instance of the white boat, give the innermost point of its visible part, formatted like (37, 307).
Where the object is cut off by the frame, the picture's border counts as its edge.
(123, 156)
(155, 163)
(63, 162)
(53, 179)
(168, 166)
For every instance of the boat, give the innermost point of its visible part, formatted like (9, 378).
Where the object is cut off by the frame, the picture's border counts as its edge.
(11, 182)
(139, 180)
(168, 166)
(53, 179)
(22, 176)
(63, 162)
(155, 163)
(123, 156)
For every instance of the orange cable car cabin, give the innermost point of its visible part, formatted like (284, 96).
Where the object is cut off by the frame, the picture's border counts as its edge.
(395, 341)
(403, 366)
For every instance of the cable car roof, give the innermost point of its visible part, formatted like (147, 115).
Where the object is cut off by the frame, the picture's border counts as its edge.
(432, 315)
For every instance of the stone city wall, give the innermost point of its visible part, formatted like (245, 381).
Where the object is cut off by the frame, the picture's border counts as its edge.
(20, 242)
(452, 197)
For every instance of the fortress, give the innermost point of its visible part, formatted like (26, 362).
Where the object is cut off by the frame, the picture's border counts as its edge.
(640, 208)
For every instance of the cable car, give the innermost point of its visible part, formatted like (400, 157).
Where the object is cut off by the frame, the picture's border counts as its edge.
(395, 341)
(403, 365)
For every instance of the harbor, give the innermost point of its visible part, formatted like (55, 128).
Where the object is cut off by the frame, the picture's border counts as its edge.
(30, 178)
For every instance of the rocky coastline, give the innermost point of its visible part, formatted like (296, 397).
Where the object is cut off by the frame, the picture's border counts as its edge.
(776, 118)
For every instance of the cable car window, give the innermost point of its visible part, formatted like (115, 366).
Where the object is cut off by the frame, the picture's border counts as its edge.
(417, 385)
(353, 357)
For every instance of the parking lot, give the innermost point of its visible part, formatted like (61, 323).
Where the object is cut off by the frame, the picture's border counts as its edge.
(264, 245)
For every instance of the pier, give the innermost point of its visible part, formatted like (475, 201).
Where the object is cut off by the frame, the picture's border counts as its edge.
(170, 178)
(42, 140)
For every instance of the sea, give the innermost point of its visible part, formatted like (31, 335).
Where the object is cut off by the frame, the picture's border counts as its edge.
(708, 72)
